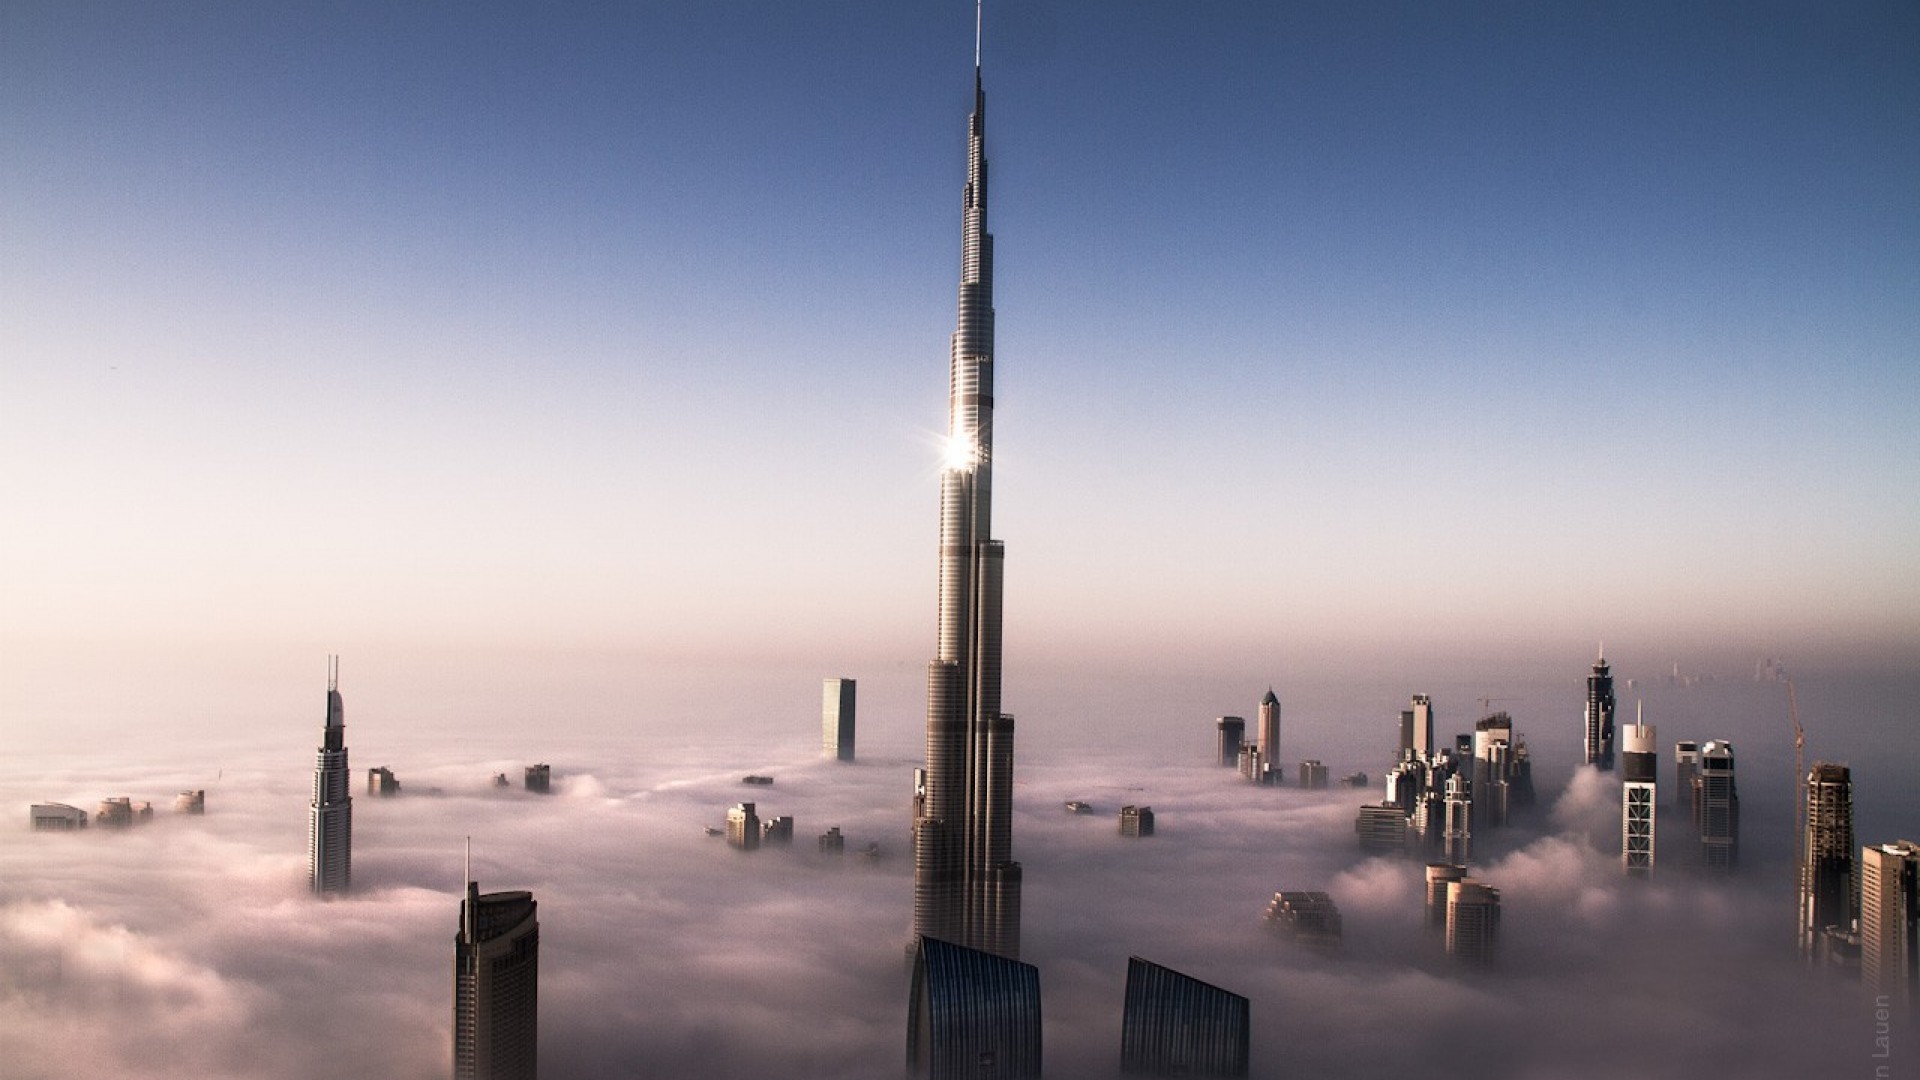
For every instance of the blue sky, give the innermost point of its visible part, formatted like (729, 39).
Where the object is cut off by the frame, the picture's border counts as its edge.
(1324, 330)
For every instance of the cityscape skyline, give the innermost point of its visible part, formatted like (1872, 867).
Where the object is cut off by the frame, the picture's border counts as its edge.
(182, 946)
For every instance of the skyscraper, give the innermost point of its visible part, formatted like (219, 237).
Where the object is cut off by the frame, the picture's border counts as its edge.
(1827, 896)
(966, 886)
(743, 827)
(1640, 766)
(972, 1014)
(496, 987)
(836, 718)
(1230, 732)
(330, 819)
(1439, 876)
(1473, 922)
(1175, 1025)
(1600, 715)
(1686, 766)
(1889, 932)
(1416, 728)
(1270, 729)
(1717, 806)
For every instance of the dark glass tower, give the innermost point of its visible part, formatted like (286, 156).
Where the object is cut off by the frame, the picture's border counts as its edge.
(966, 886)
(972, 1014)
(330, 818)
(1176, 1025)
(1828, 893)
(496, 987)
(1600, 716)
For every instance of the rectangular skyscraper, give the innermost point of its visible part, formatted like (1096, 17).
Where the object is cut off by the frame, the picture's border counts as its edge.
(1473, 922)
(836, 718)
(1827, 896)
(330, 817)
(1640, 764)
(496, 987)
(1230, 732)
(1717, 806)
(1599, 718)
(1686, 766)
(1416, 728)
(966, 886)
(1889, 932)
(1176, 1025)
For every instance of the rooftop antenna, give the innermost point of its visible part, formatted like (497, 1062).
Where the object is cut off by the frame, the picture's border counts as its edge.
(976, 34)
(333, 671)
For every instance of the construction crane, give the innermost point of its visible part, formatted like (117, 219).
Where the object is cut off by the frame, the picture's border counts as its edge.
(1799, 797)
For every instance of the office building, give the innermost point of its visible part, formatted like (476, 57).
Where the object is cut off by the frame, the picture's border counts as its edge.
(496, 987)
(191, 802)
(381, 782)
(972, 1014)
(1229, 735)
(539, 779)
(1255, 768)
(1717, 807)
(966, 885)
(777, 830)
(1136, 821)
(1889, 933)
(1686, 766)
(1176, 1025)
(1382, 829)
(1639, 773)
(1306, 917)
(1270, 729)
(330, 817)
(1473, 922)
(832, 842)
(1827, 886)
(56, 817)
(743, 827)
(1416, 729)
(1599, 717)
(1313, 774)
(1456, 836)
(836, 718)
(120, 812)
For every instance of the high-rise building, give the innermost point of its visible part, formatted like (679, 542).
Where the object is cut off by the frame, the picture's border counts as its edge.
(836, 718)
(1306, 917)
(1313, 774)
(743, 827)
(1717, 806)
(1639, 769)
(193, 801)
(1416, 728)
(539, 779)
(971, 1013)
(1827, 894)
(330, 819)
(1456, 835)
(56, 817)
(1473, 922)
(381, 782)
(1176, 1025)
(1439, 876)
(966, 885)
(777, 830)
(1686, 766)
(1270, 729)
(1889, 932)
(833, 842)
(1599, 729)
(1229, 733)
(1382, 829)
(496, 987)
(1136, 821)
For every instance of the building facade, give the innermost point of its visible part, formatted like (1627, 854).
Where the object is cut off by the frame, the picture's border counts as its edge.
(743, 827)
(1136, 821)
(836, 718)
(1717, 807)
(1686, 766)
(1306, 917)
(1175, 1025)
(1889, 933)
(1599, 715)
(496, 987)
(1416, 729)
(56, 817)
(330, 817)
(1270, 729)
(971, 1013)
(1827, 886)
(966, 884)
(1439, 876)
(1230, 732)
(1639, 768)
(1473, 923)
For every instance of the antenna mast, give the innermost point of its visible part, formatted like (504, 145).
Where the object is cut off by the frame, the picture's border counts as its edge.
(976, 34)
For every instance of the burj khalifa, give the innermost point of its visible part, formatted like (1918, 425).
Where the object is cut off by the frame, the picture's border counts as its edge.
(966, 886)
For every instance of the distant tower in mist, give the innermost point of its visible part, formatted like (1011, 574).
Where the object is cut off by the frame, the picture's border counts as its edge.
(1229, 733)
(1827, 896)
(836, 718)
(966, 886)
(1889, 932)
(972, 1014)
(1599, 733)
(1473, 922)
(1416, 729)
(1717, 806)
(496, 987)
(1640, 768)
(1686, 766)
(330, 819)
(743, 827)
(1439, 876)
(1270, 729)
(1175, 1025)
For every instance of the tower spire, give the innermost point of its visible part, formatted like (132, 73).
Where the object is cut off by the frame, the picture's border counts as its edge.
(976, 41)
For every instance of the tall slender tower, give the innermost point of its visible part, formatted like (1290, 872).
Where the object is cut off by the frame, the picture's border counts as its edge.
(1270, 729)
(1828, 892)
(966, 886)
(330, 819)
(1600, 715)
(496, 986)
(1640, 770)
(1716, 805)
